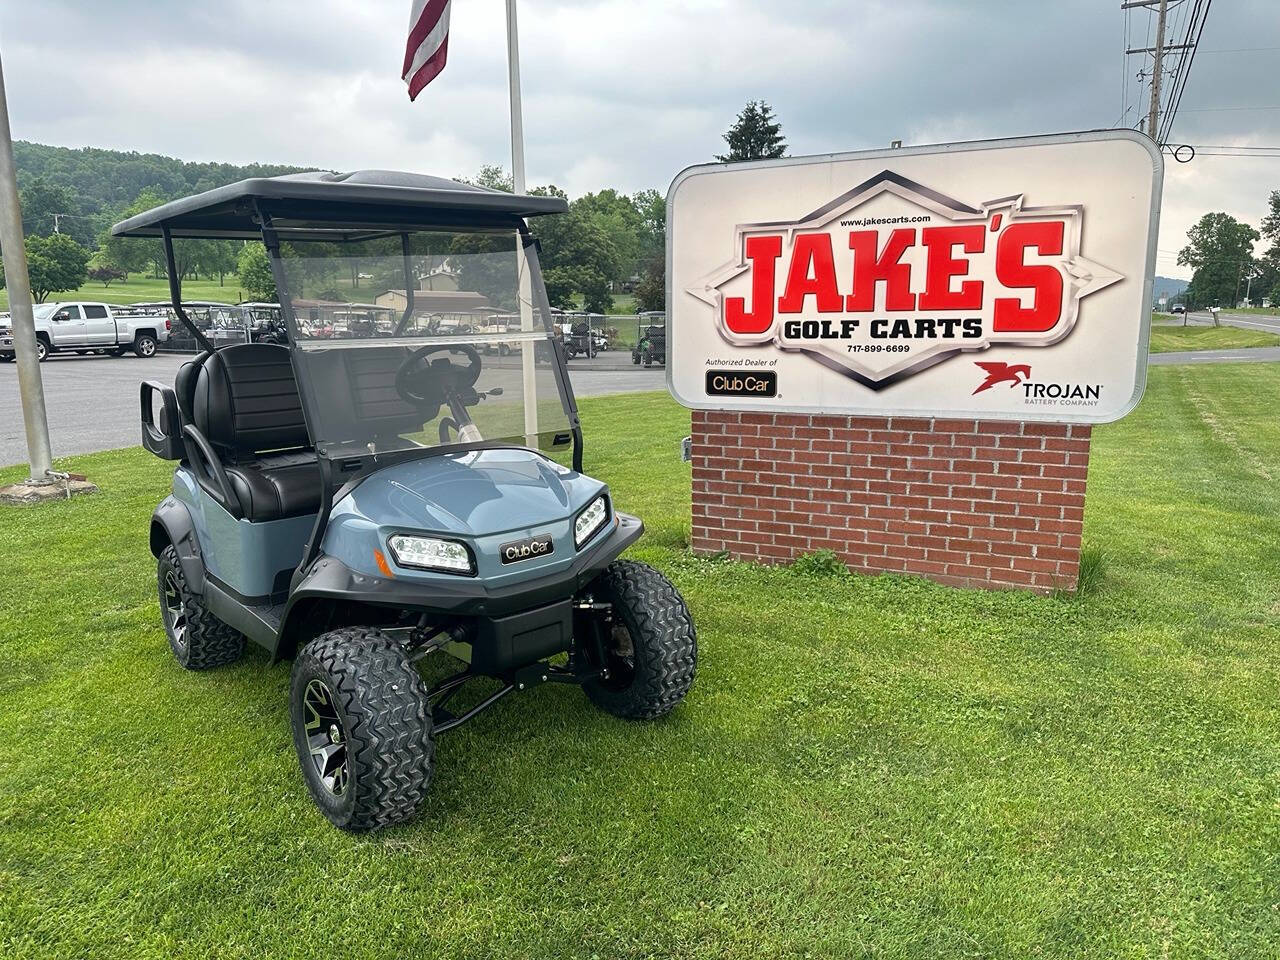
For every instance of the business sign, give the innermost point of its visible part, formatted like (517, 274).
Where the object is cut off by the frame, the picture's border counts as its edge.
(1005, 279)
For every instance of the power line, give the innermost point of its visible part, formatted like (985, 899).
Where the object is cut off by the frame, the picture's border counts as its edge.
(1241, 50)
(1271, 106)
(1185, 71)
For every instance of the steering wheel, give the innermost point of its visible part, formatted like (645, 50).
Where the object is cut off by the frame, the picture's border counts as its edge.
(429, 385)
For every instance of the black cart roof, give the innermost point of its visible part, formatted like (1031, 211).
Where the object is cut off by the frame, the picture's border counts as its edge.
(337, 205)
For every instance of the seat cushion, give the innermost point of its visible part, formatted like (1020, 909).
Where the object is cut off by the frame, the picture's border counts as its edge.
(184, 386)
(276, 487)
(246, 399)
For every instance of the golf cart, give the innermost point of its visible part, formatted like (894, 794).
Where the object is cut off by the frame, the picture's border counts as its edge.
(375, 505)
(651, 338)
(578, 340)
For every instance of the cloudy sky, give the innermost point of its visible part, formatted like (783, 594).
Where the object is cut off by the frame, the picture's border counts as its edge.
(624, 94)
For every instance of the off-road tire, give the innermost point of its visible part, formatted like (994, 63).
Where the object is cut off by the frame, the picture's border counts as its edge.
(144, 345)
(663, 638)
(42, 349)
(382, 702)
(204, 641)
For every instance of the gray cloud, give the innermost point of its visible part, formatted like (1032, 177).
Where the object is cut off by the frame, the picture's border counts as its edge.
(619, 93)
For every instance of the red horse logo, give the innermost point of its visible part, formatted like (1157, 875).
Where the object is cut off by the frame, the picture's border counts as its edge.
(1000, 372)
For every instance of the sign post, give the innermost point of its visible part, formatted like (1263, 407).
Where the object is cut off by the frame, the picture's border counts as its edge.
(898, 354)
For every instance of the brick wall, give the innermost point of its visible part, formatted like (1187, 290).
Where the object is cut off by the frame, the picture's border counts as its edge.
(964, 502)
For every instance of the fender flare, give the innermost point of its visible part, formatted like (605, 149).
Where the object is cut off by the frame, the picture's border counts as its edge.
(171, 523)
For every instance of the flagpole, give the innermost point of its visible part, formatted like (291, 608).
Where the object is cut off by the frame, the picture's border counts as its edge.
(527, 358)
(30, 387)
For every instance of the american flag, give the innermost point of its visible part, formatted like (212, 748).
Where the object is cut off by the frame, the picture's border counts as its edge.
(428, 46)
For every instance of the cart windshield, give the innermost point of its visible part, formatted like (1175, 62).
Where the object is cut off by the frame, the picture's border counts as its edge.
(423, 339)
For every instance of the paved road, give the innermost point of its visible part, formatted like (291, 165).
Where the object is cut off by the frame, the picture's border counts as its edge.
(1249, 321)
(1247, 355)
(93, 401)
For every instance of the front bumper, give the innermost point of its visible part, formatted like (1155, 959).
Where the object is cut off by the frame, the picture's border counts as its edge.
(466, 596)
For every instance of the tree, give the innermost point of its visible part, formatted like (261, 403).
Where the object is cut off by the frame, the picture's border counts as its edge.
(48, 209)
(105, 274)
(617, 216)
(652, 208)
(755, 135)
(493, 177)
(133, 255)
(55, 264)
(578, 255)
(254, 270)
(217, 257)
(651, 292)
(1220, 249)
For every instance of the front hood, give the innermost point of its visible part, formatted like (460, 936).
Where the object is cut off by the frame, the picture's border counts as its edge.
(477, 493)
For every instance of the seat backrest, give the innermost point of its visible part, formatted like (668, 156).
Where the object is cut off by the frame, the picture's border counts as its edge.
(184, 386)
(246, 400)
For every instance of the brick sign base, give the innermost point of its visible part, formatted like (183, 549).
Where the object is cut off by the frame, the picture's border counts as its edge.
(963, 502)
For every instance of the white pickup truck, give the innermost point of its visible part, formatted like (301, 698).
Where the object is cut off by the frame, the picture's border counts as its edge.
(85, 327)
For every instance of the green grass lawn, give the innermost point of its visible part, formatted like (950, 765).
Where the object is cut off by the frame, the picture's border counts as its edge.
(1167, 338)
(144, 289)
(866, 766)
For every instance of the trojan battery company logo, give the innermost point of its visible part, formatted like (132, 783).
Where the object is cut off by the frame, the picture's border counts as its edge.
(893, 277)
(998, 372)
(1015, 375)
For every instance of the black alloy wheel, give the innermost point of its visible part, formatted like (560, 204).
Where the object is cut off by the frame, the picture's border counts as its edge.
(326, 738)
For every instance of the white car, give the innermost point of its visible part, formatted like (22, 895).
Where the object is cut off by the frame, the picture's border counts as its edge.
(87, 327)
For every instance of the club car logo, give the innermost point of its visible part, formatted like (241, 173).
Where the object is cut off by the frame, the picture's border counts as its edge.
(893, 277)
(525, 549)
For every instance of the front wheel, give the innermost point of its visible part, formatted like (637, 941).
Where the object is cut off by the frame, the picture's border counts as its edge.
(145, 345)
(650, 647)
(42, 350)
(362, 728)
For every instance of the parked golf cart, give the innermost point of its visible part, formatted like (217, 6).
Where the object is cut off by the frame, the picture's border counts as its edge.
(266, 322)
(651, 338)
(578, 341)
(366, 504)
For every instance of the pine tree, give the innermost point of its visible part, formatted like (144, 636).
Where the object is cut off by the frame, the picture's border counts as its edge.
(755, 135)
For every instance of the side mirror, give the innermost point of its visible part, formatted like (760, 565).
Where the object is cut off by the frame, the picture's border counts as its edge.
(61, 315)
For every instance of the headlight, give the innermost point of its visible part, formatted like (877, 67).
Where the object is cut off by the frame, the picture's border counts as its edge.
(431, 553)
(590, 520)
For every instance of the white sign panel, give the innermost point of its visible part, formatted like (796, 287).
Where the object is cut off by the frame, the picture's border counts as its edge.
(1005, 279)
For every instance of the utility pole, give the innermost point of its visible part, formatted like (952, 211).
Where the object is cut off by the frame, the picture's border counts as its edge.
(30, 388)
(1153, 130)
(1152, 127)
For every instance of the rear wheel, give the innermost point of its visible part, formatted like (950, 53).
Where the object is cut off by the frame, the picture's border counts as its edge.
(144, 345)
(362, 728)
(198, 639)
(651, 648)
